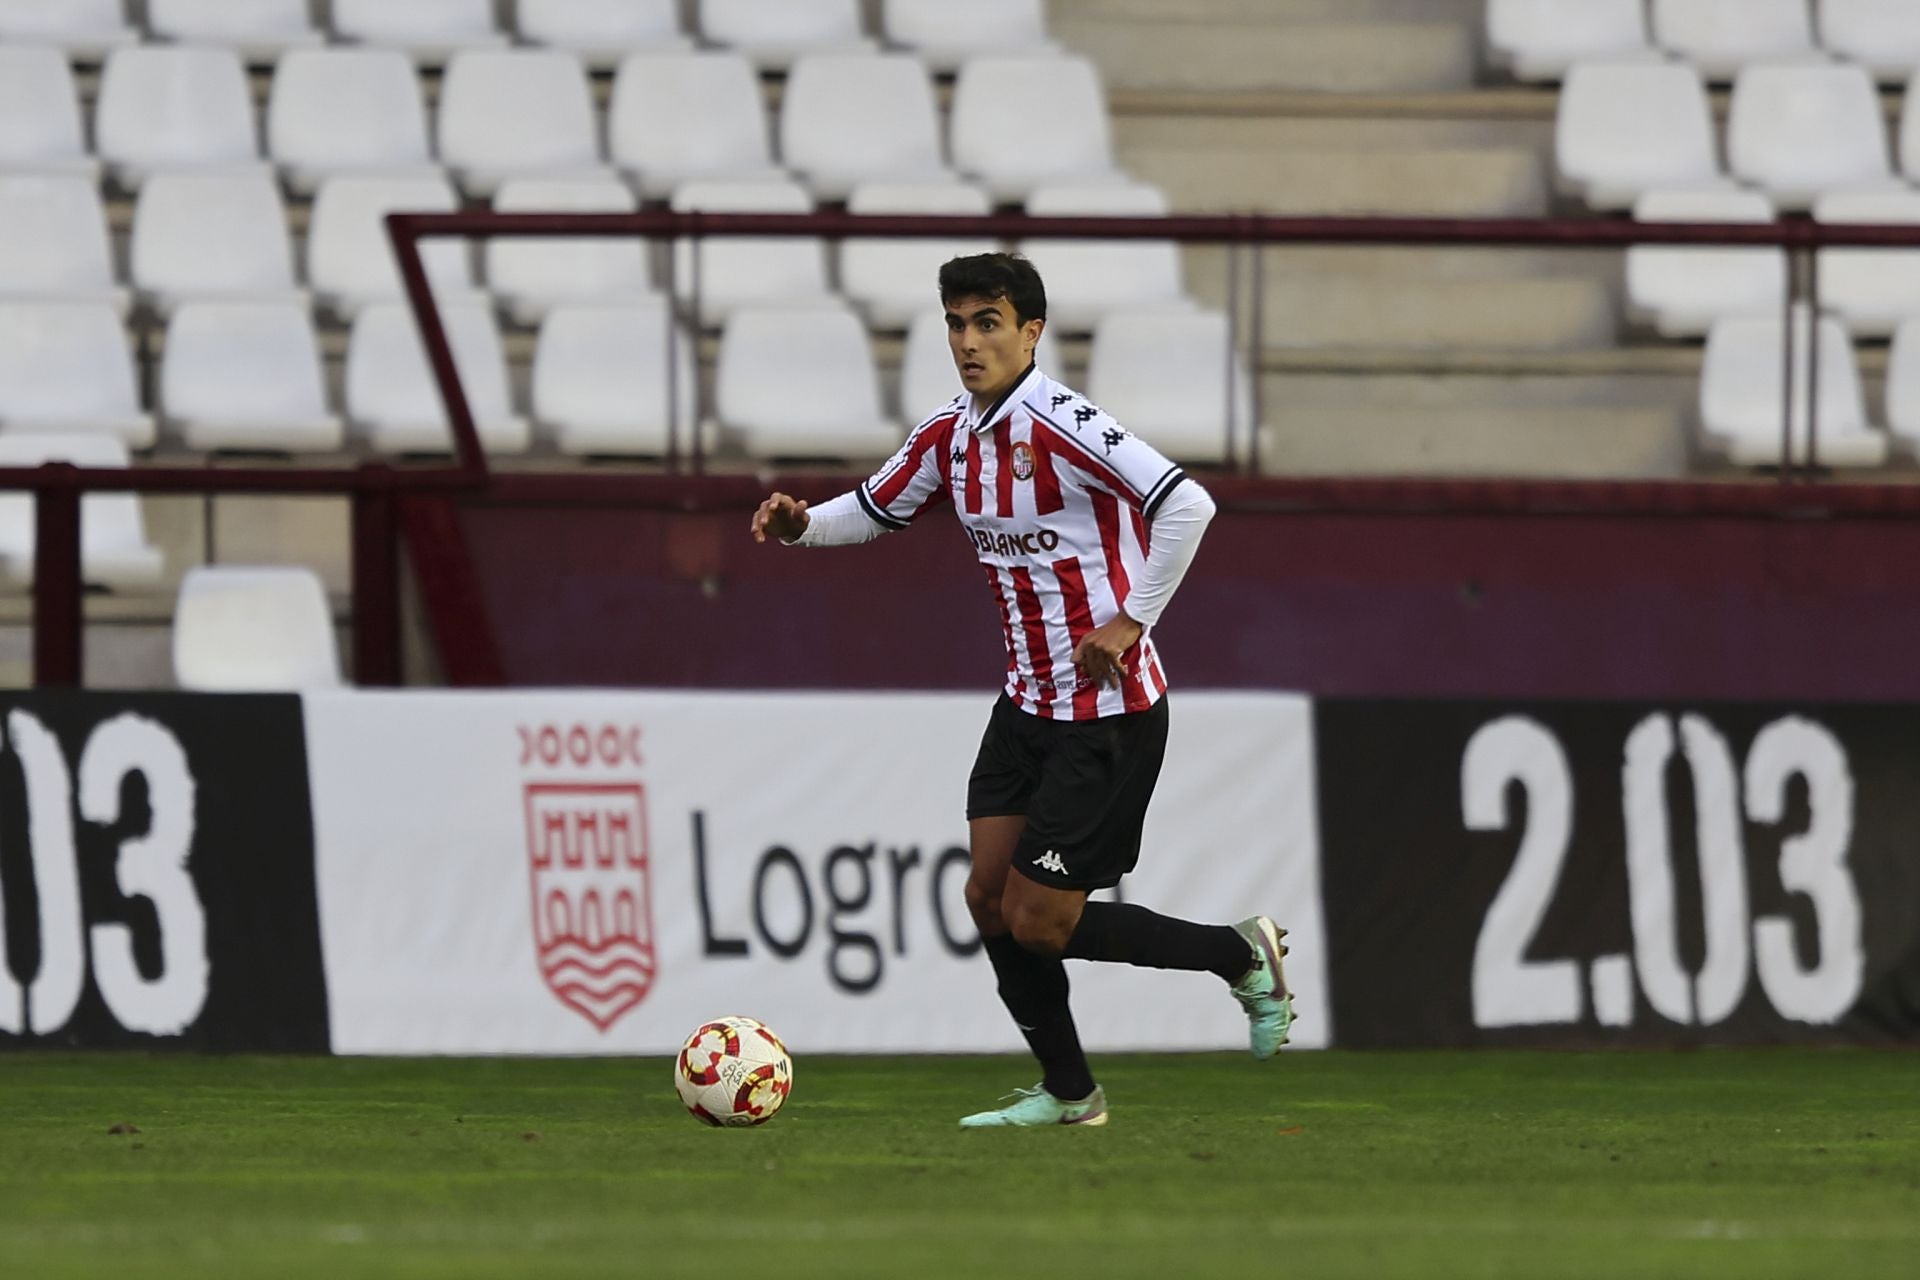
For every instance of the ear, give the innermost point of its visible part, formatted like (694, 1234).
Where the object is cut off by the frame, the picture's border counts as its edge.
(1033, 329)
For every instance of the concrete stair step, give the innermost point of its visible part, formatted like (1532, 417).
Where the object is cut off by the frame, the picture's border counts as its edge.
(1313, 309)
(1274, 12)
(1335, 57)
(1446, 182)
(1563, 443)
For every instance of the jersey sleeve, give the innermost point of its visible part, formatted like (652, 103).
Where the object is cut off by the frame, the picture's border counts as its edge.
(912, 480)
(1109, 455)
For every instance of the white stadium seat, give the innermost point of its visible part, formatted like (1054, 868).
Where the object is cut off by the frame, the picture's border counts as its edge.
(602, 31)
(1722, 36)
(735, 271)
(85, 29)
(261, 30)
(246, 375)
(1797, 130)
(600, 379)
(1741, 385)
(429, 31)
(349, 257)
(530, 277)
(167, 107)
(947, 34)
(895, 279)
(346, 111)
(1681, 290)
(1020, 122)
(1903, 386)
(254, 629)
(40, 114)
(928, 380)
(205, 235)
(677, 117)
(114, 551)
(1163, 375)
(1881, 35)
(1086, 279)
(1872, 290)
(65, 366)
(774, 33)
(53, 240)
(799, 382)
(392, 398)
(1625, 128)
(517, 113)
(852, 118)
(1543, 39)
(1910, 130)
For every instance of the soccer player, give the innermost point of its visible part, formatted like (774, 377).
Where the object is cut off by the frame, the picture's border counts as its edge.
(1083, 530)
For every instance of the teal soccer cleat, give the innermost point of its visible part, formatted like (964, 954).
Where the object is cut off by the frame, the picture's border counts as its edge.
(1032, 1108)
(1263, 992)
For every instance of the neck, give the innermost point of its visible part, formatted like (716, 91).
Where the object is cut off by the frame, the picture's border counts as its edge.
(987, 403)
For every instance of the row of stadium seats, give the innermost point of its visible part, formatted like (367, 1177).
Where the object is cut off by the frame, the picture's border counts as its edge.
(1016, 122)
(200, 235)
(1679, 291)
(1745, 376)
(1794, 131)
(1544, 39)
(789, 382)
(772, 32)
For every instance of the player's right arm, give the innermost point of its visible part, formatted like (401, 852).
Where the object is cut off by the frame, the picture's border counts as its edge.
(908, 483)
(842, 522)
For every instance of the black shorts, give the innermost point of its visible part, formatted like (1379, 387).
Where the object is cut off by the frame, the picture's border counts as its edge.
(1082, 785)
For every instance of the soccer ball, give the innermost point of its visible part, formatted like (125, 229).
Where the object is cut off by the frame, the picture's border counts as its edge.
(733, 1072)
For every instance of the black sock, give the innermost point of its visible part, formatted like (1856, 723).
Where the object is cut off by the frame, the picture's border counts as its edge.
(1125, 933)
(1034, 989)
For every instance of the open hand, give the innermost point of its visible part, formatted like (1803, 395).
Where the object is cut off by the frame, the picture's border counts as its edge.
(784, 517)
(1100, 651)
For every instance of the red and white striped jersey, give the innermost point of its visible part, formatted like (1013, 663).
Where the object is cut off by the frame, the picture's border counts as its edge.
(1056, 497)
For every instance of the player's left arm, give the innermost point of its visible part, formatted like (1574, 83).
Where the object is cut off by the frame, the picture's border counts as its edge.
(1177, 525)
(1177, 510)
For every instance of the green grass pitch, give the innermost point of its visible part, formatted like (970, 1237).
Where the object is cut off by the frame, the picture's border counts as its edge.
(1713, 1163)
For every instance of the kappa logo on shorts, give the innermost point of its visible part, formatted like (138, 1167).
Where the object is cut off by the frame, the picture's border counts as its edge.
(588, 849)
(1050, 861)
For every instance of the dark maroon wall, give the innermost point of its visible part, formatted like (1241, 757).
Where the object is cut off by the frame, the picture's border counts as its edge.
(1391, 604)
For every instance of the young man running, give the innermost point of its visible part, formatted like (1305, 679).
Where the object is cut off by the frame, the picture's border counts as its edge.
(1084, 530)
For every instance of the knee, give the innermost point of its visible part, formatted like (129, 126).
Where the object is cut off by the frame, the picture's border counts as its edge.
(983, 904)
(1042, 932)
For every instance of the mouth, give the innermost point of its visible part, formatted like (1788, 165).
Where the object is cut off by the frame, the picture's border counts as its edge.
(971, 368)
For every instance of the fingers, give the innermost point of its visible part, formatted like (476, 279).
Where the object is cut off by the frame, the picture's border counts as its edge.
(778, 503)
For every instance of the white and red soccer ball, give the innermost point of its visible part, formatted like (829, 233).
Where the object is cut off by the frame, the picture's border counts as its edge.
(733, 1072)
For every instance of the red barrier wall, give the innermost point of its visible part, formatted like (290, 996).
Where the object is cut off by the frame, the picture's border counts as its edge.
(1710, 606)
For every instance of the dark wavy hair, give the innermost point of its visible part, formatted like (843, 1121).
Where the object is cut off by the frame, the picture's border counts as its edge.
(993, 276)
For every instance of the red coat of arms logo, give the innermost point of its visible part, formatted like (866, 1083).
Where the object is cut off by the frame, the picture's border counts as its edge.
(1023, 461)
(592, 894)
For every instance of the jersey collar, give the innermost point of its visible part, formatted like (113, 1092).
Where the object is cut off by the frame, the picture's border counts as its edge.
(1008, 398)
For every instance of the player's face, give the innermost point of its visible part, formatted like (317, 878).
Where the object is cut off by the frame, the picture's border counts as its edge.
(991, 348)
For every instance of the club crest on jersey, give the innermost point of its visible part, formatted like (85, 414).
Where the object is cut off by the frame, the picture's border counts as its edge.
(587, 850)
(1023, 461)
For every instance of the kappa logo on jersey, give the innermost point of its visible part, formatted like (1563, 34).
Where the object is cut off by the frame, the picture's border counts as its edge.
(1015, 544)
(1050, 861)
(959, 458)
(1084, 414)
(1112, 438)
(1022, 461)
(588, 851)
(1060, 399)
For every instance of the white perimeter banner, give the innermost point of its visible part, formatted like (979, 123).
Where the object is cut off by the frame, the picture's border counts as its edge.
(598, 873)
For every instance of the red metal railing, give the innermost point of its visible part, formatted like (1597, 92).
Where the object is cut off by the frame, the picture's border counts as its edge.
(379, 491)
